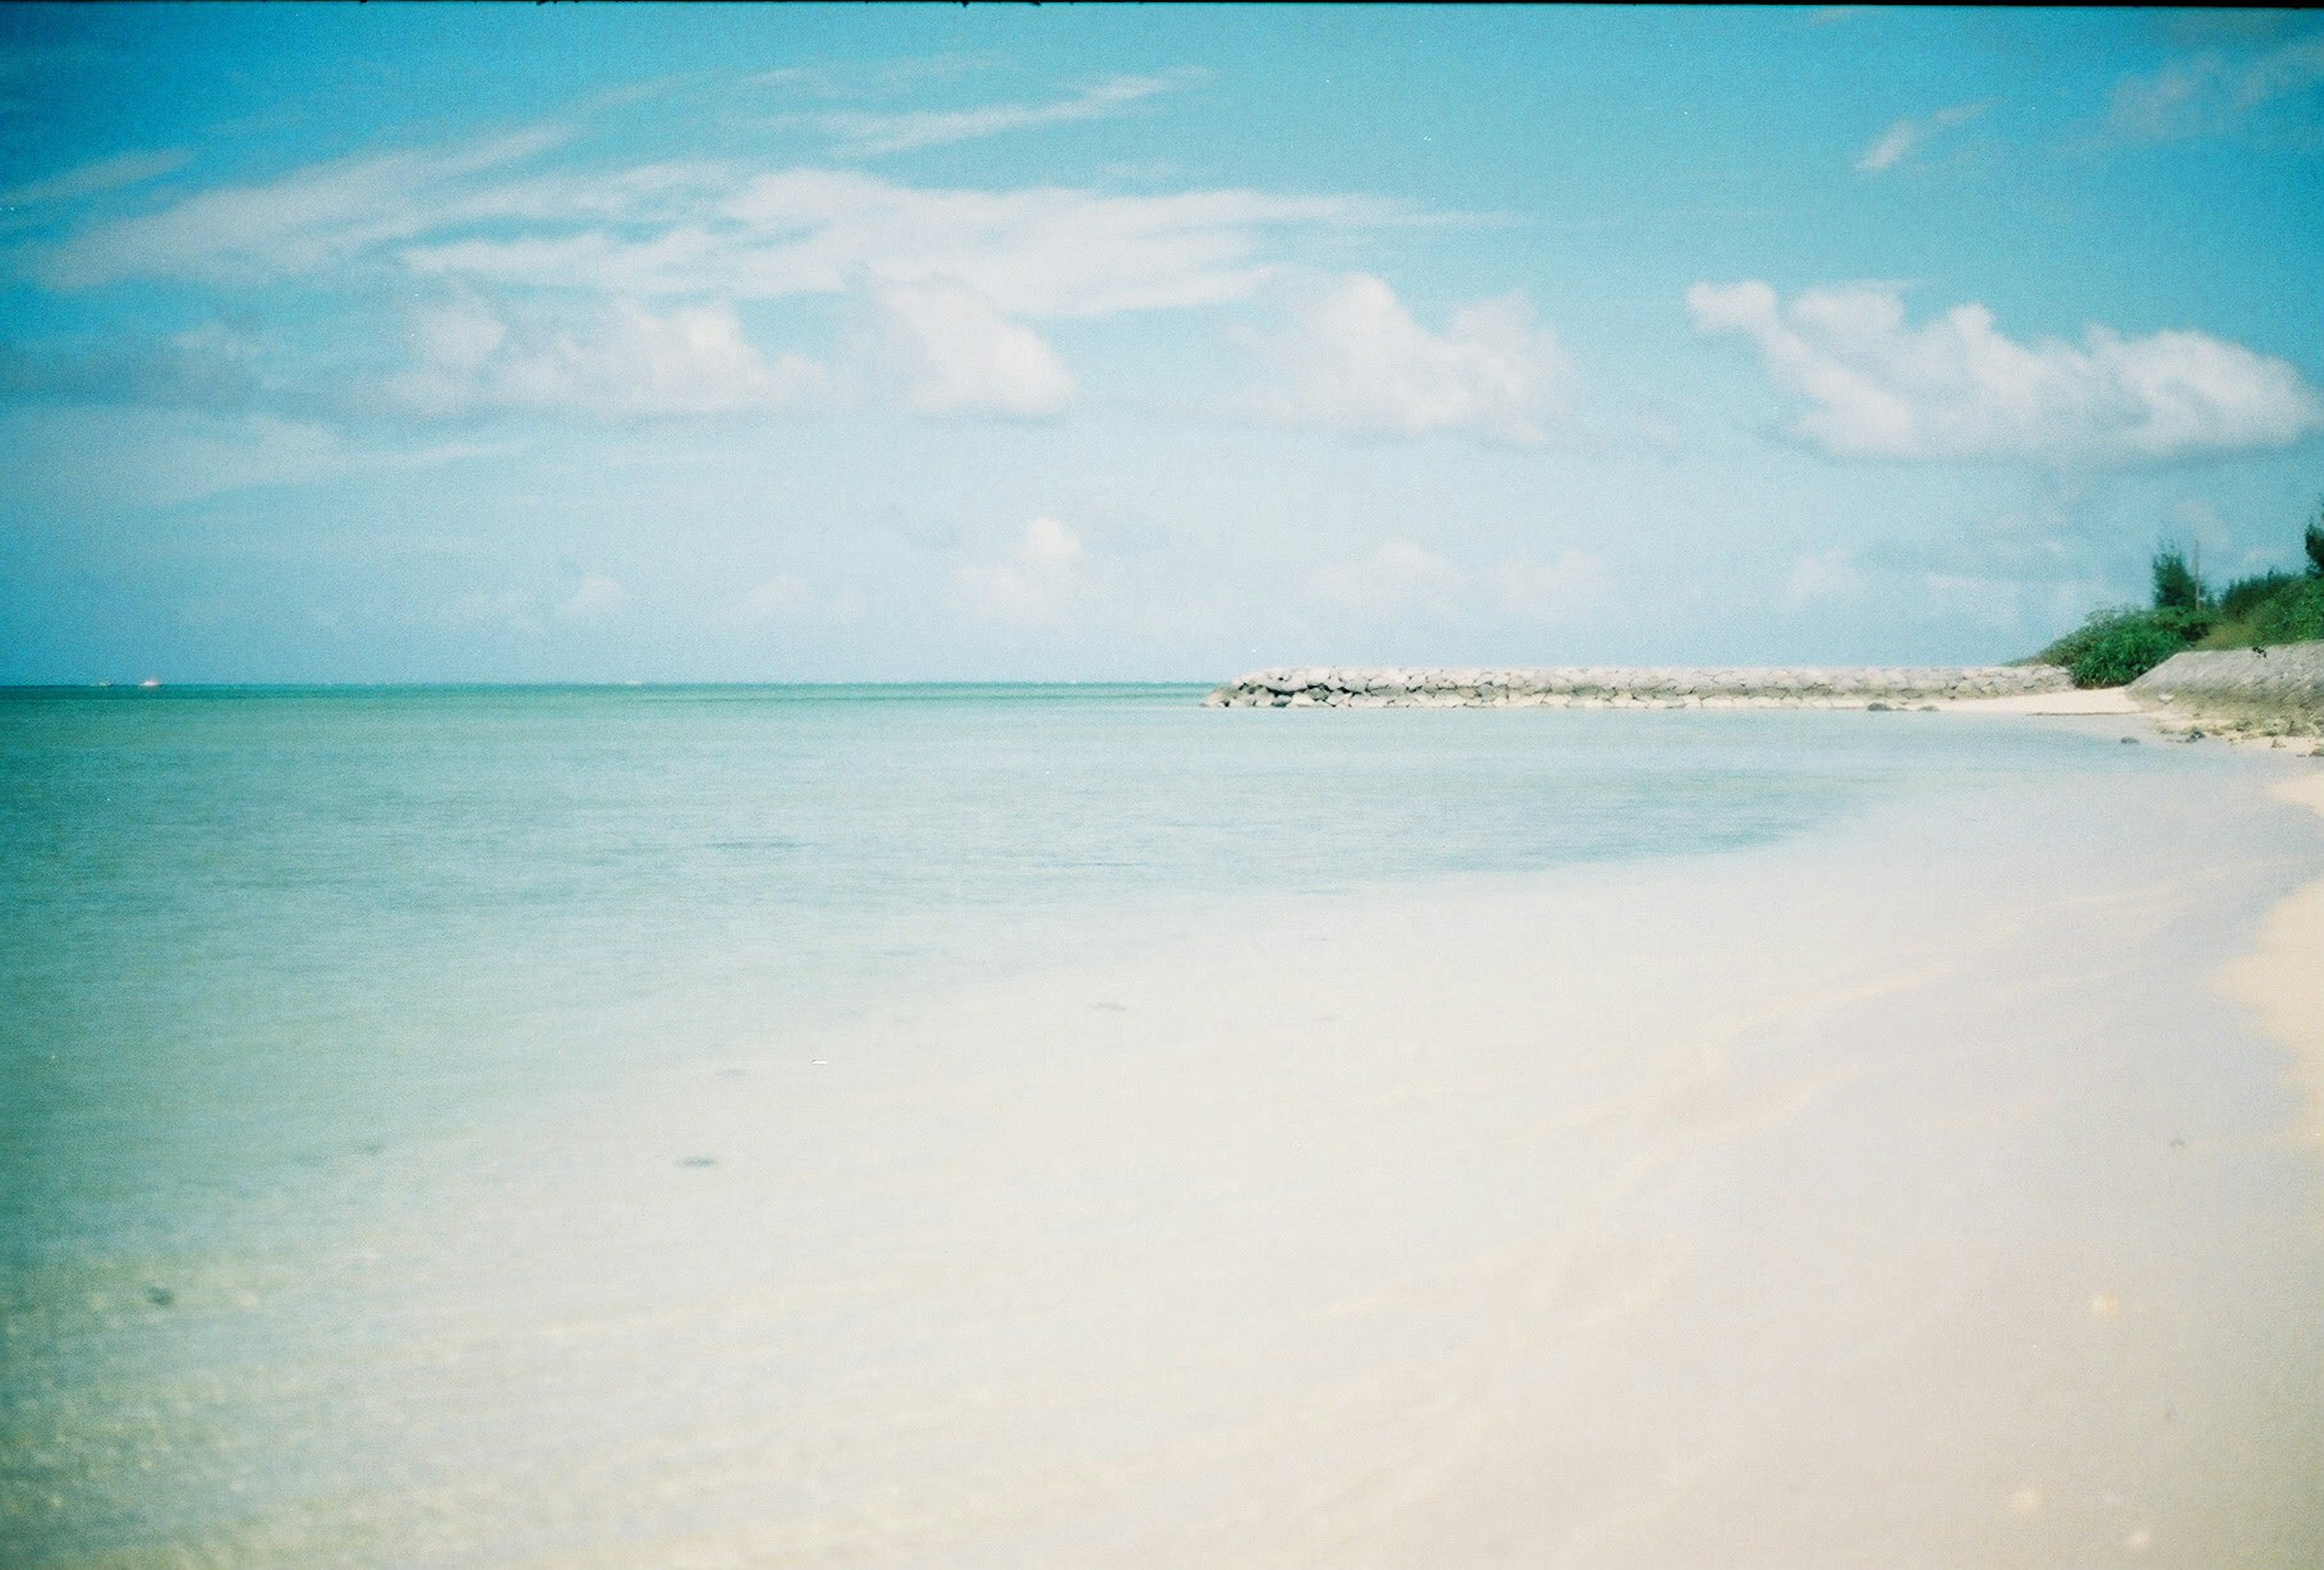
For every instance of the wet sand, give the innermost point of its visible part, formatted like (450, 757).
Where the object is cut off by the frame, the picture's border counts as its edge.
(1908, 1194)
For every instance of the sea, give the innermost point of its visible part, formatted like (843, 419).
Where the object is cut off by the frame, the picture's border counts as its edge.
(255, 942)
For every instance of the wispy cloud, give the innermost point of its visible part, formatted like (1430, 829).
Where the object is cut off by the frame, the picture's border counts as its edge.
(105, 175)
(872, 134)
(483, 215)
(2208, 93)
(1956, 388)
(321, 215)
(1906, 136)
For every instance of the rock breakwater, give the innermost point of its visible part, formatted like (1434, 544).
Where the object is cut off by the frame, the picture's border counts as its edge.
(1631, 687)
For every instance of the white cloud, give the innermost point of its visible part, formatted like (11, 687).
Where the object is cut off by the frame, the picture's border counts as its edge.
(1957, 388)
(702, 228)
(940, 348)
(1034, 587)
(597, 597)
(316, 217)
(1355, 360)
(936, 348)
(88, 179)
(2208, 93)
(161, 457)
(1551, 591)
(615, 360)
(512, 608)
(1827, 574)
(1037, 252)
(777, 597)
(1395, 577)
(1891, 146)
(870, 135)
(1048, 544)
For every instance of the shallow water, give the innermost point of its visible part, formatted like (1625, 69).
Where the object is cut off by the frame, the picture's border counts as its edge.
(341, 1030)
(249, 930)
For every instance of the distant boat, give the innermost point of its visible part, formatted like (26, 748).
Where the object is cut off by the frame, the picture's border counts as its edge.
(151, 681)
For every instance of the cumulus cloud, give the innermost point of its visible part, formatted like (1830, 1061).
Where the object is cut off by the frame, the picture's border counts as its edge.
(1355, 359)
(872, 134)
(1034, 586)
(940, 348)
(1894, 144)
(2208, 93)
(1956, 387)
(616, 360)
(935, 348)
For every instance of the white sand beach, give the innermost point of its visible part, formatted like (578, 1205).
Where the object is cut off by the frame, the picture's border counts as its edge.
(1909, 1195)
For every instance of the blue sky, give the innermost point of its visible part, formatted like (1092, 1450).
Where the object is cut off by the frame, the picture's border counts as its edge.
(420, 344)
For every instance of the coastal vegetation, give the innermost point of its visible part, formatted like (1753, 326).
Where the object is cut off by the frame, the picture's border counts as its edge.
(2119, 644)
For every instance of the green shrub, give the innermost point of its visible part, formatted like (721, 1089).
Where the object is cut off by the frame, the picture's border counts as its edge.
(2246, 594)
(2292, 616)
(2176, 587)
(2121, 644)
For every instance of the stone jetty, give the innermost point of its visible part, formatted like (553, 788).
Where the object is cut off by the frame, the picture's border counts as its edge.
(1631, 687)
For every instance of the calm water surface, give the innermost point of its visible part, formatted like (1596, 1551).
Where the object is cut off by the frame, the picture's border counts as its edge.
(254, 938)
(250, 931)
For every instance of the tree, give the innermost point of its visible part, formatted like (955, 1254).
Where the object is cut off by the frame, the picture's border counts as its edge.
(2314, 541)
(2176, 587)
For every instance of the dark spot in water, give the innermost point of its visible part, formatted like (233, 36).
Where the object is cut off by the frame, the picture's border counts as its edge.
(1876, 708)
(159, 1297)
(2130, 741)
(699, 1161)
(2178, 1144)
(371, 1147)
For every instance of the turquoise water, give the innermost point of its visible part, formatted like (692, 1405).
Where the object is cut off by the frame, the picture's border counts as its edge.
(250, 932)
(295, 980)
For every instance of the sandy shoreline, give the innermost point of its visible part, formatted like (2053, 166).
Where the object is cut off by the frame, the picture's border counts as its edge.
(1900, 1194)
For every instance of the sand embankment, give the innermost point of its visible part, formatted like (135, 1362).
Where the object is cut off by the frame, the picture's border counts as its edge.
(1634, 686)
(2278, 691)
